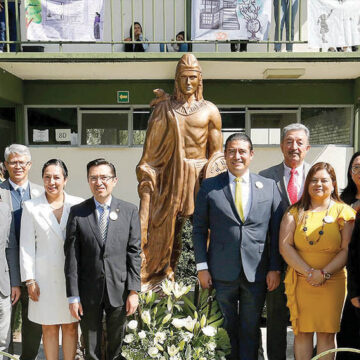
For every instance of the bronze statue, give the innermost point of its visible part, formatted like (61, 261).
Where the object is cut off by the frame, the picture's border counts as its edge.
(183, 137)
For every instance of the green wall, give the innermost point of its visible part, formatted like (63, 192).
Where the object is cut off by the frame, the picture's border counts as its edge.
(220, 92)
(11, 89)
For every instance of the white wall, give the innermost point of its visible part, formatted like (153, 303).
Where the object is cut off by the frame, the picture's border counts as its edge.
(126, 159)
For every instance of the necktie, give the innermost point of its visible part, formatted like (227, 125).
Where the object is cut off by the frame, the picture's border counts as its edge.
(238, 198)
(291, 188)
(20, 191)
(103, 222)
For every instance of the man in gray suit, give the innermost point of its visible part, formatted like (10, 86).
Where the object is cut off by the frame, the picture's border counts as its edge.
(9, 294)
(289, 176)
(240, 209)
(14, 192)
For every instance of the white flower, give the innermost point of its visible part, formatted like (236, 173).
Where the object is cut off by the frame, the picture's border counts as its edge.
(172, 350)
(129, 338)
(211, 346)
(180, 290)
(142, 334)
(153, 352)
(167, 287)
(187, 336)
(145, 316)
(190, 323)
(178, 323)
(202, 358)
(162, 358)
(209, 330)
(132, 325)
(176, 357)
(160, 337)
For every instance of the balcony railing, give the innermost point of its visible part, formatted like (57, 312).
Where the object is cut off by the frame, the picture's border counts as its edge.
(161, 20)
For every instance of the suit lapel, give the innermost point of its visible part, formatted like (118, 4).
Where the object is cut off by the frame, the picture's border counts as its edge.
(228, 195)
(47, 214)
(93, 222)
(113, 226)
(255, 195)
(5, 194)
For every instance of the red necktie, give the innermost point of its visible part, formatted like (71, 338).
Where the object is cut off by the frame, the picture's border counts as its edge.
(291, 188)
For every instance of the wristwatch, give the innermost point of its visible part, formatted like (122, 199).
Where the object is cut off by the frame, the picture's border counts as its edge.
(326, 275)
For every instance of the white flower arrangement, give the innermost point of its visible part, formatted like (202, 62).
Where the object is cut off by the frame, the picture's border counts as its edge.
(177, 326)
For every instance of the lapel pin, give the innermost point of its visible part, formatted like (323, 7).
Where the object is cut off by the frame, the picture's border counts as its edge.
(259, 185)
(113, 215)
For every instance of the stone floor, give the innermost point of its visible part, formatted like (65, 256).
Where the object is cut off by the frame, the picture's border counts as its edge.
(290, 337)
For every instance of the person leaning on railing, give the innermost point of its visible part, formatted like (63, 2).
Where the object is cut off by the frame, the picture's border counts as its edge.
(182, 47)
(12, 23)
(138, 36)
(314, 238)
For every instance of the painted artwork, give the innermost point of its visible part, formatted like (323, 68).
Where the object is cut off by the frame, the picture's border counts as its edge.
(333, 23)
(33, 12)
(67, 20)
(231, 19)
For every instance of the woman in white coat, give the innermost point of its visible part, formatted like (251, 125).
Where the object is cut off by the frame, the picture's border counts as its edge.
(43, 227)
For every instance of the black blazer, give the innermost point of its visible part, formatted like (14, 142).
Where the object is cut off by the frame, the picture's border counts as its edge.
(89, 264)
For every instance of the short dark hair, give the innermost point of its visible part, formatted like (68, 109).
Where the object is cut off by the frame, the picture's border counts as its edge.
(239, 136)
(98, 162)
(56, 162)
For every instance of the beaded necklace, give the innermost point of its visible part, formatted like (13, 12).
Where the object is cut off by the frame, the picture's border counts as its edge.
(321, 232)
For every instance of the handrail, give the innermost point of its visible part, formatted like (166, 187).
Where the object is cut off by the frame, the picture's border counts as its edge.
(148, 14)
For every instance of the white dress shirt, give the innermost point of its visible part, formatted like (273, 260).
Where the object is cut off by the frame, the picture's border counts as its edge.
(299, 178)
(245, 200)
(24, 186)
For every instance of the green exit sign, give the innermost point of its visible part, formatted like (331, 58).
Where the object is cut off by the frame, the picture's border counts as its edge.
(123, 97)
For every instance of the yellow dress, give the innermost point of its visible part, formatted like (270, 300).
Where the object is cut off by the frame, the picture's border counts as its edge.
(317, 308)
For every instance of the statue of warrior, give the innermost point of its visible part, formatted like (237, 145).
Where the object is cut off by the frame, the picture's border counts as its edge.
(183, 136)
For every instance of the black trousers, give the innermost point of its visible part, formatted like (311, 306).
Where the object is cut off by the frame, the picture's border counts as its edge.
(92, 329)
(349, 335)
(30, 332)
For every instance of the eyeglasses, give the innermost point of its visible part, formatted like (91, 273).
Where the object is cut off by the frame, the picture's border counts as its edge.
(103, 179)
(19, 163)
(355, 169)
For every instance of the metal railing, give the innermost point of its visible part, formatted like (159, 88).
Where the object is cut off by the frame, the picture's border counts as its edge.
(160, 19)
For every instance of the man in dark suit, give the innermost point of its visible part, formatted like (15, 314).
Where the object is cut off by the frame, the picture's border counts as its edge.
(289, 176)
(102, 261)
(14, 191)
(239, 208)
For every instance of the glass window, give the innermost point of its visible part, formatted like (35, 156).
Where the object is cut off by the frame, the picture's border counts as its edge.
(52, 126)
(140, 122)
(328, 125)
(266, 127)
(7, 129)
(233, 120)
(108, 128)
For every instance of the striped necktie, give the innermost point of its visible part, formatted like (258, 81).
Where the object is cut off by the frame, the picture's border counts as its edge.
(103, 221)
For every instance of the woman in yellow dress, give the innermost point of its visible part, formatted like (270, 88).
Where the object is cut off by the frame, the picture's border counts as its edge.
(314, 238)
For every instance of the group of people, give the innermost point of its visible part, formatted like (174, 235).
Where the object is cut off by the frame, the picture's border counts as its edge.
(282, 237)
(44, 230)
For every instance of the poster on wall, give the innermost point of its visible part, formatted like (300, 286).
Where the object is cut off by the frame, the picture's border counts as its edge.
(333, 23)
(64, 20)
(231, 19)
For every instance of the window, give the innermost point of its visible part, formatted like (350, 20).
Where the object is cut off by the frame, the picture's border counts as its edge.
(140, 122)
(328, 125)
(105, 128)
(266, 125)
(52, 126)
